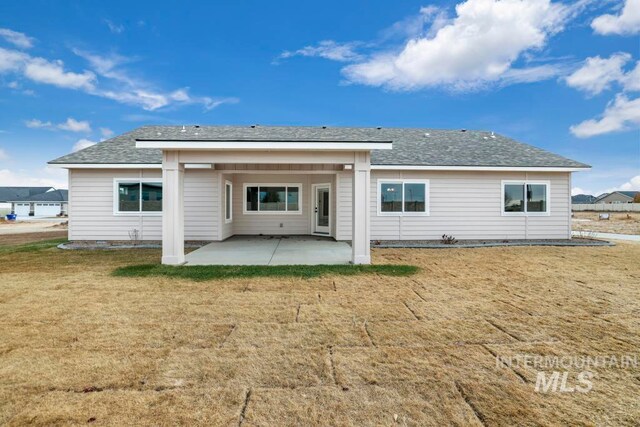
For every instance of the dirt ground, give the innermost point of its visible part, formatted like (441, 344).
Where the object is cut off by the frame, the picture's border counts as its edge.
(33, 226)
(619, 222)
(79, 346)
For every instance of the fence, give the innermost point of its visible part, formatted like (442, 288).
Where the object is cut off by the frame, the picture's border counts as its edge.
(606, 207)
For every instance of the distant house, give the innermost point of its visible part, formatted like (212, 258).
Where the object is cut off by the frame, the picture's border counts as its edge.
(583, 199)
(35, 201)
(617, 197)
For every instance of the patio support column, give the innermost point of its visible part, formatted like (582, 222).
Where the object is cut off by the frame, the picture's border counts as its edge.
(360, 240)
(172, 209)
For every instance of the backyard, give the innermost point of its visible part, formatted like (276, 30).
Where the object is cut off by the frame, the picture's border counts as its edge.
(618, 222)
(79, 345)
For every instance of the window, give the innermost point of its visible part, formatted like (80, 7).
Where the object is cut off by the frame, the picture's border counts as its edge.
(228, 202)
(272, 198)
(525, 198)
(403, 197)
(138, 197)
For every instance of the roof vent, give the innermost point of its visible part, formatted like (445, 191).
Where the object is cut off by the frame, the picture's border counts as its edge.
(427, 134)
(253, 126)
(184, 129)
(379, 127)
(197, 126)
(463, 130)
(493, 135)
(324, 127)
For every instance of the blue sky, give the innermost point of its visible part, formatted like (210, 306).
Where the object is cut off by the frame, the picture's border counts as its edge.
(559, 75)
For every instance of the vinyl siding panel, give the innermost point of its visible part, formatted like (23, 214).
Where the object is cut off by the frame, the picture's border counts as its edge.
(91, 214)
(466, 205)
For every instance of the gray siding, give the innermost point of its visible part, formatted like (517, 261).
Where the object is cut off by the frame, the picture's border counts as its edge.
(466, 205)
(91, 214)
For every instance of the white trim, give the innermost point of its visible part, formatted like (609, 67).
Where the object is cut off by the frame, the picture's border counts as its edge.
(525, 182)
(427, 196)
(228, 202)
(270, 184)
(314, 201)
(479, 168)
(265, 145)
(107, 165)
(279, 172)
(116, 196)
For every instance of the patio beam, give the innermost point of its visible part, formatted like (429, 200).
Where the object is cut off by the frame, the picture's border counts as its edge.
(172, 209)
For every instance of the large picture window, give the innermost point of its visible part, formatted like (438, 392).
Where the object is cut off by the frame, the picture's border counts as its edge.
(133, 196)
(272, 198)
(525, 198)
(403, 197)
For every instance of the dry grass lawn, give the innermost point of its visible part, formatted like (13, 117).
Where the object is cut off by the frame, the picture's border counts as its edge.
(618, 222)
(79, 346)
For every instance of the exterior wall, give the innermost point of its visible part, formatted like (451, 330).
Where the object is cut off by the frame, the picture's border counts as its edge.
(466, 205)
(91, 214)
(269, 224)
(615, 198)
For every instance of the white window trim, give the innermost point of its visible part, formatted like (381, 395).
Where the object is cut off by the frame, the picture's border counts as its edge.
(268, 184)
(228, 202)
(525, 183)
(427, 196)
(116, 196)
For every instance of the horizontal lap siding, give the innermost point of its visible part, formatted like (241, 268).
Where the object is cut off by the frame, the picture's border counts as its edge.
(91, 214)
(344, 200)
(466, 205)
(201, 204)
(269, 224)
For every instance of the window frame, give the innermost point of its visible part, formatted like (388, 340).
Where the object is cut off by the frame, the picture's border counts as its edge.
(270, 184)
(427, 196)
(228, 201)
(525, 183)
(139, 181)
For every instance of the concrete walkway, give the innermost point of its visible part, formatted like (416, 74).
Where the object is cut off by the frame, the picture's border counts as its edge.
(608, 236)
(257, 250)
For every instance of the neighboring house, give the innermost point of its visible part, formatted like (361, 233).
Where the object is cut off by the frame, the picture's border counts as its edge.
(583, 199)
(51, 203)
(617, 197)
(177, 183)
(7, 194)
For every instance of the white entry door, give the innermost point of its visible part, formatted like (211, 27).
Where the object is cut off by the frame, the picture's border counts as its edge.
(322, 209)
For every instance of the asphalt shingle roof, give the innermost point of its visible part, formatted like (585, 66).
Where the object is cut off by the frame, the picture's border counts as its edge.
(49, 196)
(411, 146)
(10, 194)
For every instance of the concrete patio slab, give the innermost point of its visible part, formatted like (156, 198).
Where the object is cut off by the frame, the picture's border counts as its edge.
(272, 250)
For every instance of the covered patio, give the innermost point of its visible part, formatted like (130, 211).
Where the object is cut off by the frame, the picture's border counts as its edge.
(272, 250)
(229, 160)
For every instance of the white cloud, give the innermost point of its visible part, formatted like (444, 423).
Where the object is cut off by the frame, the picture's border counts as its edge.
(328, 49)
(115, 83)
(74, 125)
(16, 38)
(577, 190)
(82, 144)
(38, 124)
(106, 132)
(598, 73)
(52, 72)
(631, 80)
(633, 184)
(3, 154)
(137, 92)
(113, 27)
(45, 177)
(71, 125)
(477, 47)
(626, 23)
(621, 114)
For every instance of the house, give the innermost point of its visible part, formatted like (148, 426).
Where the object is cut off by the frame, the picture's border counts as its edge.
(617, 197)
(49, 203)
(208, 183)
(583, 199)
(7, 194)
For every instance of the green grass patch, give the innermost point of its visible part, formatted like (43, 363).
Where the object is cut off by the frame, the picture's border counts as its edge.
(217, 272)
(31, 247)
